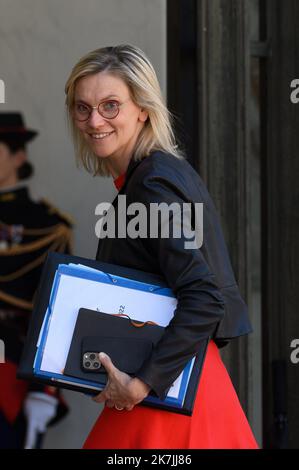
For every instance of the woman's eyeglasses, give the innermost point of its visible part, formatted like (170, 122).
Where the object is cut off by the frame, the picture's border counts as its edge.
(107, 109)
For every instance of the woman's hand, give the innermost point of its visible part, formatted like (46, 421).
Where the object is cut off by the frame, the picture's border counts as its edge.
(121, 390)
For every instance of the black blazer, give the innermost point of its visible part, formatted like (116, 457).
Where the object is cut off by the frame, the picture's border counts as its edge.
(209, 301)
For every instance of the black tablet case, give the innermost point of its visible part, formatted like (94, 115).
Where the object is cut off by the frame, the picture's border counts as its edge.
(25, 370)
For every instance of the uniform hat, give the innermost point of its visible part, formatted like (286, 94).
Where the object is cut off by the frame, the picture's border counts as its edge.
(14, 133)
(12, 127)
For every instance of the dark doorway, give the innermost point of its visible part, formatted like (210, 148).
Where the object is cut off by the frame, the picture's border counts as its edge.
(182, 95)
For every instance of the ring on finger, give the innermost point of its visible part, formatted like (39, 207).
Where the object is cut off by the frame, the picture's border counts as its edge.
(119, 408)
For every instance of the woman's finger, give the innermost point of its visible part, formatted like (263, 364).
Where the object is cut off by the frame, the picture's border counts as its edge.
(107, 363)
(101, 397)
(109, 403)
(129, 407)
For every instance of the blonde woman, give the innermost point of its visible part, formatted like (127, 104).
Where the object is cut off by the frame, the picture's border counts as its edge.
(122, 128)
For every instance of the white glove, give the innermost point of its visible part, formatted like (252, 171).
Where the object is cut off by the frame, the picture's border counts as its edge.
(39, 409)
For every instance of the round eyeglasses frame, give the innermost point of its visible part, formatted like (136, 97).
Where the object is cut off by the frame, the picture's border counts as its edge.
(99, 108)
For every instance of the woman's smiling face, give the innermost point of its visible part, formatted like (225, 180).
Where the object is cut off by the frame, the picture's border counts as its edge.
(115, 138)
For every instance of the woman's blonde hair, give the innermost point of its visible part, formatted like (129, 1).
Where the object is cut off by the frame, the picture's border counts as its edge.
(131, 65)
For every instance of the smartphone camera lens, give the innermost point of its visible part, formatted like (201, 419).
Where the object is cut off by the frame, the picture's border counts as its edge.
(87, 364)
(96, 365)
(92, 357)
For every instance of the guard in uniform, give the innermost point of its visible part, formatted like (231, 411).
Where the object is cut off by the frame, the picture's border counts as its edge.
(28, 230)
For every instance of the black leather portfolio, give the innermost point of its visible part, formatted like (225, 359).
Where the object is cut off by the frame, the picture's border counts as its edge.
(100, 332)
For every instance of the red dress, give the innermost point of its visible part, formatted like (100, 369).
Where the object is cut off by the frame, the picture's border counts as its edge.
(217, 422)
